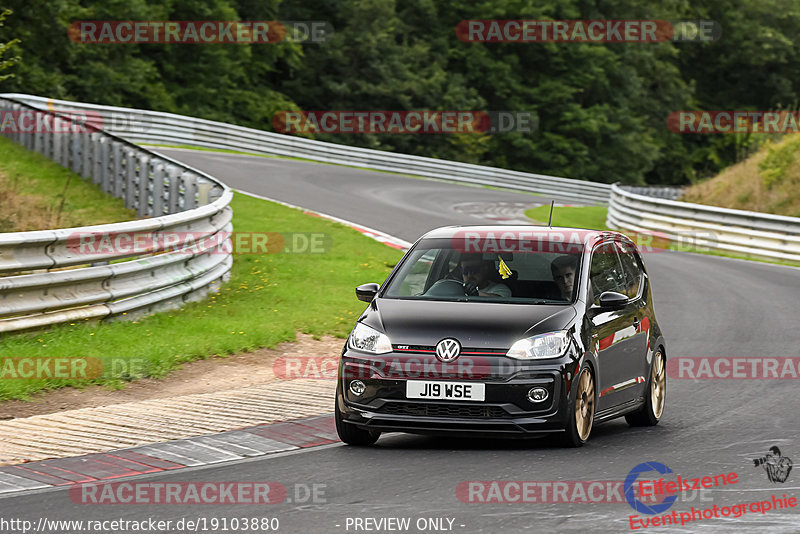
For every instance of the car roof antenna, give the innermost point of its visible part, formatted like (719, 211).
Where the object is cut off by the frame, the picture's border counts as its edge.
(550, 219)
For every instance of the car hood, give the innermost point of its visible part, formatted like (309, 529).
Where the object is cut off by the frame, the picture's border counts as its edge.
(473, 324)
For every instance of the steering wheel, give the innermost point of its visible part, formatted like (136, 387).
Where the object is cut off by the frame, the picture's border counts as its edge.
(450, 287)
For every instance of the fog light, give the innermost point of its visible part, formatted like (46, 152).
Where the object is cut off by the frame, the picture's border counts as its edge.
(537, 394)
(357, 387)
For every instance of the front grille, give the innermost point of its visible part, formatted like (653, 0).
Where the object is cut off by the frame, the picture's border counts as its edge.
(443, 410)
(431, 349)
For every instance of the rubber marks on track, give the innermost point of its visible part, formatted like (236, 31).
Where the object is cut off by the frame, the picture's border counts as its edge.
(203, 450)
(497, 212)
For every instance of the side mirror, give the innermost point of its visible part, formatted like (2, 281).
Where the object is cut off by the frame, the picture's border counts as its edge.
(367, 292)
(611, 300)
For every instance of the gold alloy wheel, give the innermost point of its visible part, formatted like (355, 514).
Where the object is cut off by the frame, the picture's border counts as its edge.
(584, 405)
(658, 385)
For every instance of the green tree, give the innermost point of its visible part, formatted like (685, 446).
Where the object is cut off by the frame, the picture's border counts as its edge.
(5, 47)
(754, 65)
(601, 108)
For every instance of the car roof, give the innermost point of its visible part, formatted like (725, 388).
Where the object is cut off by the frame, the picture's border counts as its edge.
(589, 236)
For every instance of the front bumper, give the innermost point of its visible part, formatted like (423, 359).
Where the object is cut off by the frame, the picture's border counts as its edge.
(505, 412)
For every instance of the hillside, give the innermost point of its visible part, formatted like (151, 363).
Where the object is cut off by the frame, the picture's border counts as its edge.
(768, 181)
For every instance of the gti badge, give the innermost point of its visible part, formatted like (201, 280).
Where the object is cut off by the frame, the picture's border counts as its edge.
(448, 350)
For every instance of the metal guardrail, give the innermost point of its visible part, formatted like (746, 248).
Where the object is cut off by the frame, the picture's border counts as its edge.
(154, 127)
(46, 277)
(706, 227)
(666, 192)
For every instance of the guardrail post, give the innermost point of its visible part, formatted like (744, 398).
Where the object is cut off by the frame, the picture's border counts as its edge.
(37, 135)
(86, 155)
(27, 137)
(3, 111)
(97, 158)
(22, 137)
(131, 162)
(66, 144)
(43, 134)
(58, 136)
(47, 135)
(174, 188)
(203, 190)
(158, 188)
(189, 196)
(8, 108)
(4, 108)
(76, 150)
(117, 185)
(105, 165)
(143, 175)
(15, 133)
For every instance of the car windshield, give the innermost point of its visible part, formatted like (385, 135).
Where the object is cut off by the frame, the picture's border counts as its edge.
(516, 272)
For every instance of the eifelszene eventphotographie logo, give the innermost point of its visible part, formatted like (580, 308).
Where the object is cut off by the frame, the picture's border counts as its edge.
(777, 466)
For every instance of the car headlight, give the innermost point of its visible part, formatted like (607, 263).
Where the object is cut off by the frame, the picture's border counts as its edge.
(369, 340)
(552, 345)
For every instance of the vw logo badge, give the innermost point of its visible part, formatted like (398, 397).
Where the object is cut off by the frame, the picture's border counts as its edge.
(448, 350)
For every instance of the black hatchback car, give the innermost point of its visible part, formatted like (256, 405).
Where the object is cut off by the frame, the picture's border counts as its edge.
(504, 331)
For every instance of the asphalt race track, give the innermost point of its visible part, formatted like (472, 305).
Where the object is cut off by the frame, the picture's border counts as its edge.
(707, 306)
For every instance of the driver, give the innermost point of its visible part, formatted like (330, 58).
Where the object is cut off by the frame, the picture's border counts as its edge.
(475, 273)
(563, 269)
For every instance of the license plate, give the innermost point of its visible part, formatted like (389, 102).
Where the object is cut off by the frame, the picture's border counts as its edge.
(458, 391)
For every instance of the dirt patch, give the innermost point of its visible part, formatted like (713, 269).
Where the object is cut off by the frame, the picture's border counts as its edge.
(202, 376)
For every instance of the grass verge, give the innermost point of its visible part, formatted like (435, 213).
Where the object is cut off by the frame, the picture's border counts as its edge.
(268, 299)
(593, 217)
(32, 188)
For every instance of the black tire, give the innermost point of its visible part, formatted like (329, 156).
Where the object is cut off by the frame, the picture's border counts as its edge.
(582, 403)
(351, 434)
(656, 394)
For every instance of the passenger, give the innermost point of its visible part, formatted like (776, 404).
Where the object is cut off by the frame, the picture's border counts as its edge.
(563, 269)
(475, 273)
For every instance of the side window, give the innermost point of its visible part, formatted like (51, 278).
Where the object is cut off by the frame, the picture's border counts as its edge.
(606, 272)
(416, 275)
(442, 262)
(633, 272)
